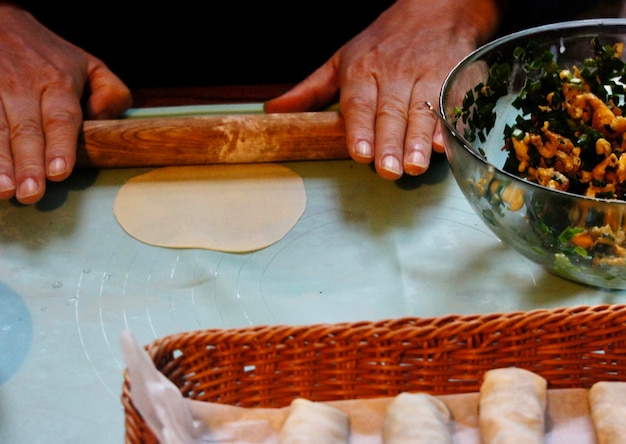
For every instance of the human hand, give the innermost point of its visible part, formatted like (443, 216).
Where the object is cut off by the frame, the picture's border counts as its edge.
(386, 73)
(43, 79)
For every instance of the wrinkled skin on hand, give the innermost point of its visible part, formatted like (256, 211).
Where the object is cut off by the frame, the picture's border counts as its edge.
(42, 81)
(384, 75)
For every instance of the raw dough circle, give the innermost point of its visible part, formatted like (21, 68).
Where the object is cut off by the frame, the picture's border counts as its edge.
(232, 208)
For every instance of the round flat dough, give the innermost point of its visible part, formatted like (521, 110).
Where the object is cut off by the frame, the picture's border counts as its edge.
(232, 208)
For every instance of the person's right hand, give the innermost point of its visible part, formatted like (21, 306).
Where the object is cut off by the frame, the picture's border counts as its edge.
(385, 74)
(43, 79)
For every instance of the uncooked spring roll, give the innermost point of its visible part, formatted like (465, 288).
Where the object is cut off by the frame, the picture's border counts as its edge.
(416, 418)
(315, 423)
(607, 402)
(512, 406)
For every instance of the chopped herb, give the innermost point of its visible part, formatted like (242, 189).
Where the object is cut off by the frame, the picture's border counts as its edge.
(569, 134)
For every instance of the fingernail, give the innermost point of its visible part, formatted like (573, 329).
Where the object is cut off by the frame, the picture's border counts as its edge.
(28, 188)
(6, 183)
(415, 163)
(417, 159)
(363, 148)
(392, 165)
(57, 167)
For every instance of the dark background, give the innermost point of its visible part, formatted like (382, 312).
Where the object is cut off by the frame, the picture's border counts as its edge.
(210, 43)
(204, 43)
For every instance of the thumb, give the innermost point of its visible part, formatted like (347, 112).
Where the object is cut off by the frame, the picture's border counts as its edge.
(108, 95)
(315, 92)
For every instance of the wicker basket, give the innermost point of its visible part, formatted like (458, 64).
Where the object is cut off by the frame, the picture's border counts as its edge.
(272, 365)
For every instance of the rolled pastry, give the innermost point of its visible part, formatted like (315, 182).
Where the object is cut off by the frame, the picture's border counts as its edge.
(417, 418)
(512, 405)
(315, 423)
(607, 402)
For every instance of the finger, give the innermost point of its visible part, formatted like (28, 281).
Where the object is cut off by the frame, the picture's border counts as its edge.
(61, 119)
(315, 92)
(7, 177)
(108, 97)
(358, 105)
(391, 127)
(438, 143)
(418, 145)
(27, 146)
(421, 135)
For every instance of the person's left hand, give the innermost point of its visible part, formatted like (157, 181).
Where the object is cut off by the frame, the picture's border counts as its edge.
(387, 72)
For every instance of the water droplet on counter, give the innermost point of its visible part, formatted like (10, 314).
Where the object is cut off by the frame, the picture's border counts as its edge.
(57, 284)
(86, 270)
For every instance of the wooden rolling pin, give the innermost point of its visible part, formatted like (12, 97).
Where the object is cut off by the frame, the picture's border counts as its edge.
(210, 139)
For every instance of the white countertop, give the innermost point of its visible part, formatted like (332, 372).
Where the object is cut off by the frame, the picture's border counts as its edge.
(365, 249)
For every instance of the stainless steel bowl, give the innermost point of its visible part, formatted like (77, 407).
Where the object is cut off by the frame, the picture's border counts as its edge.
(534, 220)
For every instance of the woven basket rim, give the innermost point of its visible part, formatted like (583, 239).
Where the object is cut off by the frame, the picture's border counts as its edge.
(270, 365)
